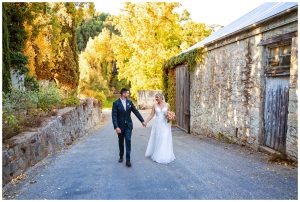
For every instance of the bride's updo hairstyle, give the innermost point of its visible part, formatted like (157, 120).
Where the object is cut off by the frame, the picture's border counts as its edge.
(160, 95)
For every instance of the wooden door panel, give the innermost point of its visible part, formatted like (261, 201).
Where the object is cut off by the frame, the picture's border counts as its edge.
(276, 111)
(183, 98)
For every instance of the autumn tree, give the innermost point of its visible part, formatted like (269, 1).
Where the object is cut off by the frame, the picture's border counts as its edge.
(66, 71)
(149, 34)
(38, 47)
(192, 32)
(96, 63)
(137, 42)
(51, 45)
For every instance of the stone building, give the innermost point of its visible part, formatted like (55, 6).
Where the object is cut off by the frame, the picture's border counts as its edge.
(17, 80)
(246, 89)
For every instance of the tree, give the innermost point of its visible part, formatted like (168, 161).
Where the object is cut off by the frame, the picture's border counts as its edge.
(38, 47)
(90, 28)
(6, 79)
(192, 32)
(97, 59)
(149, 35)
(16, 14)
(51, 43)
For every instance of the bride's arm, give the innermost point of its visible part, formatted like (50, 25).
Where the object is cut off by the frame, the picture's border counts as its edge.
(168, 107)
(151, 115)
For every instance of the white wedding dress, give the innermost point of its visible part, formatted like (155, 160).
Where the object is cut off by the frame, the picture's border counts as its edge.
(160, 145)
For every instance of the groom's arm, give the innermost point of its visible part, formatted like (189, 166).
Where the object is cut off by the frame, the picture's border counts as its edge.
(114, 115)
(137, 113)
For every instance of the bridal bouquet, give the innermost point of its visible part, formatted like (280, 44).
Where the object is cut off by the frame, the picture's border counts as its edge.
(170, 116)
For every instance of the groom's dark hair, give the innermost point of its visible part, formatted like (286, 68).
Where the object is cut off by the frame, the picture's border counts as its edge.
(123, 90)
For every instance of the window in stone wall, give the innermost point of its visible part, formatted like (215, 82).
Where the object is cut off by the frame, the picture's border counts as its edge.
(278, 59)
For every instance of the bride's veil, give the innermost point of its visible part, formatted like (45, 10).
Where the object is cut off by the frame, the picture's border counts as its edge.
(161, 95)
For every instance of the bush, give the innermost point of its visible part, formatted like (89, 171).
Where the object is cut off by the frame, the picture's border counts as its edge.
(101, 97)
(48, 97)
(27, 108)
(10, 126)
(14, 105)
(30, 108)
(31, 83)
(70, 101)
(98, 95)
(18, 100)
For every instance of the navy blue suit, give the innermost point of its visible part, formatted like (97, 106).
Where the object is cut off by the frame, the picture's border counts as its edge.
(122, 119)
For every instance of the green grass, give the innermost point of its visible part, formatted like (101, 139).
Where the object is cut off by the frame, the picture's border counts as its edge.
(109, 102)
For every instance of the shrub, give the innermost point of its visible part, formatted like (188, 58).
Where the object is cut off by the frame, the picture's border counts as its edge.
(13, 113)
(10, 126)
(30, 108)
(70, 101)
(18, 100)
(48, 97)
(31, 83)
(27, 108)
(98, 95)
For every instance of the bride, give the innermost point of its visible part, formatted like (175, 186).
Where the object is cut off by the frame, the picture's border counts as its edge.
(160, 145)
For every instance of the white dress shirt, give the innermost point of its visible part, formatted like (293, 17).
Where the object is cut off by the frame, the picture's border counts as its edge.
(124, 103)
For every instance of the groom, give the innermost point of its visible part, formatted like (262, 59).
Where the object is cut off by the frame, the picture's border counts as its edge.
(122, 122)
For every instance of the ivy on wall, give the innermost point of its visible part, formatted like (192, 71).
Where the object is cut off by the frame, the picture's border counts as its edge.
(172, 88)
(191, 58)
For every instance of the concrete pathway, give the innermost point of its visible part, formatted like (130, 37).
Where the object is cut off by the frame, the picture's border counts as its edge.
(204, 169)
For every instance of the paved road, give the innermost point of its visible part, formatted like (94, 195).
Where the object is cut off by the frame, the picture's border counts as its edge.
(203, 169)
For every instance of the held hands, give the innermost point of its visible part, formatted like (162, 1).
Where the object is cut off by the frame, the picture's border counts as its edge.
(118, 130)
(144, 124)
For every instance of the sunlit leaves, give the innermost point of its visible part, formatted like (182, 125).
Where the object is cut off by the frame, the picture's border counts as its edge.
(149, 34)
(51, 45)
(96, 64)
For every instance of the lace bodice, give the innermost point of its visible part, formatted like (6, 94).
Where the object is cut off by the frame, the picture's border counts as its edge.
(160, 112)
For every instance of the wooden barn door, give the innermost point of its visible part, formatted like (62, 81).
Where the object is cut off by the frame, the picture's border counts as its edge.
(183, 98)
(277, 97)
(276, 110)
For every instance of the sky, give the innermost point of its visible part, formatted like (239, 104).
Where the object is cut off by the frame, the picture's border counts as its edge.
(208, 11)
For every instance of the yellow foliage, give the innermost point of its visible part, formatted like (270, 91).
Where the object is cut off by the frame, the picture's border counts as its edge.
(95, 64)
(150, 34)
(50, 44)
(29, 52)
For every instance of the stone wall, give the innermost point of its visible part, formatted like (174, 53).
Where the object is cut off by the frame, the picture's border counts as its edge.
(227, 91)
(28, 148)
(292, 133)
(146, 98)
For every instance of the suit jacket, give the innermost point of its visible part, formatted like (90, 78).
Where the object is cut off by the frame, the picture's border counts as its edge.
(122, 118)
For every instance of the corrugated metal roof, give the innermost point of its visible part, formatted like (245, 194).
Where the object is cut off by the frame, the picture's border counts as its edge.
(255, 16)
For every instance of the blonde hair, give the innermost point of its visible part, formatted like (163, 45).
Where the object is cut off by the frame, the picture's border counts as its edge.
(160, 95)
